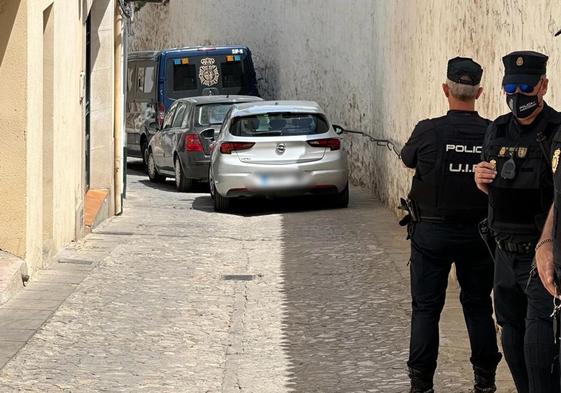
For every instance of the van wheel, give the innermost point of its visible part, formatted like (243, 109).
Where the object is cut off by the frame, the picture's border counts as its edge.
(341, 200)
(153, 174)
(182, 183)
(144, 153)
(221, 204)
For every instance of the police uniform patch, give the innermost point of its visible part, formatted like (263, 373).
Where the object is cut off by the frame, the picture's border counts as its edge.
(208, 73)
(555, 160)
(520, 61)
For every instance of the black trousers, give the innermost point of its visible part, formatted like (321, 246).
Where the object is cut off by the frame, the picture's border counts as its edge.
(434, 247)
(523, 308)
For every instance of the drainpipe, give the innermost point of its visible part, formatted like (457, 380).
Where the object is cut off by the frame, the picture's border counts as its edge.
(119, 113)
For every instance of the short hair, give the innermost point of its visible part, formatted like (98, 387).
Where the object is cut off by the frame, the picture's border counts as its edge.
(462, 91)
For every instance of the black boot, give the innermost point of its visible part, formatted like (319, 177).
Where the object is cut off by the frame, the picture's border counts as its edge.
(484, 380)
(420, 382)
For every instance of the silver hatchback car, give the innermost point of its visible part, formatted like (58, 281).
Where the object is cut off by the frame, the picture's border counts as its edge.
(277, 148)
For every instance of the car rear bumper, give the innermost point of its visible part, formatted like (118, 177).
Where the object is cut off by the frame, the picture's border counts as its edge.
(234, 178)
(195, 165)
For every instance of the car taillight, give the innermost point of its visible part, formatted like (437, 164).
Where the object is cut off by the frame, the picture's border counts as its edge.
(229, 147)
(193, 143)
(161, 114)
(331, 143)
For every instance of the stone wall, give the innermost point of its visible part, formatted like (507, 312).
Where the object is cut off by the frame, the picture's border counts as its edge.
(376, 66)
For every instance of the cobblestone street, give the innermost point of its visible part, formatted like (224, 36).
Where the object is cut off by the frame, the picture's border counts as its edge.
(276, 297)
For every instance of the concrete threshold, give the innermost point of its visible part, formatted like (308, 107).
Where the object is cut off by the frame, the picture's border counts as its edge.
(12, 270)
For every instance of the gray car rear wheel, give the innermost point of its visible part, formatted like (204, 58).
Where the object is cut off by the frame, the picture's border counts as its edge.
(153, 174)
(182, 183)
(341, 200)
(221, 204)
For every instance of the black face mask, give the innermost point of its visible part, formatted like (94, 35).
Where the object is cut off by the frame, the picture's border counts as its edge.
(522, 105)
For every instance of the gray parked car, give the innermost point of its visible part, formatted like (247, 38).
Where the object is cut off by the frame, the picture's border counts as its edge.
(277, 148)
(182, 148)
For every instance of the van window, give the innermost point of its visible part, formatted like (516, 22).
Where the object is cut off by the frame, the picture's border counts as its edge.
(184, 77)
(130, 78)
(145, 80)
(232, 74)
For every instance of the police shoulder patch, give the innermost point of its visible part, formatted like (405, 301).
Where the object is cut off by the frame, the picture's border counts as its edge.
(555, 160)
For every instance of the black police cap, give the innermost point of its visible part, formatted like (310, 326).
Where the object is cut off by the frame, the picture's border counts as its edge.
(524, 67)
(464, 70)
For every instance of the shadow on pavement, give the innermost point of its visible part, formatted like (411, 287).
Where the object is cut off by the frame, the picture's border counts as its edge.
(345, 322)
(254, 207)
(136, 168)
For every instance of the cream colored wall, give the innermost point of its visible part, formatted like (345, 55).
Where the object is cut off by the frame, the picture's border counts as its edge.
(67, 182)
(42, 188)
(103, 96)
(13, 54)
(373, 65)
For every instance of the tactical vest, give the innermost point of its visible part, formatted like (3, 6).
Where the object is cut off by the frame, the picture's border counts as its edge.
(448, 193)
(518, 207)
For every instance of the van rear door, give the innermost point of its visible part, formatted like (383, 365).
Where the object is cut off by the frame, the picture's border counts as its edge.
(198, 74)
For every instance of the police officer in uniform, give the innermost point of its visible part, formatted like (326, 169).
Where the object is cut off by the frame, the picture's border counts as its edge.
(446, 207)
(516, 175)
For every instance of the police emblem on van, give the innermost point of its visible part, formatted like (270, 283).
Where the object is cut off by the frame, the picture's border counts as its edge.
(555, 160)
(208, 72)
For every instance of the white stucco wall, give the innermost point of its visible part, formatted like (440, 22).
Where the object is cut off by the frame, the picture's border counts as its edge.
(373, 65)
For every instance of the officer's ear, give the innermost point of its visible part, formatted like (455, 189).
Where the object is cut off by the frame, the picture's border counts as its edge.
(545, 84)
(479, 92)
(446, 90)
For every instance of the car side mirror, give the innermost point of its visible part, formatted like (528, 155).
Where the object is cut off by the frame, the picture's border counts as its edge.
(338, 129)
(209, 133)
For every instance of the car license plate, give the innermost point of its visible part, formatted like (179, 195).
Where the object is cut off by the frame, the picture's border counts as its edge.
(280, 180)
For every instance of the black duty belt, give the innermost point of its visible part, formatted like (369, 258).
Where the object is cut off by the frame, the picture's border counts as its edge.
(448, 220)
(516, 247)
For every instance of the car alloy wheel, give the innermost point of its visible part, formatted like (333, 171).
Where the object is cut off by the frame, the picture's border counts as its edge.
(181, 182)
(211, 184)
(153, 174)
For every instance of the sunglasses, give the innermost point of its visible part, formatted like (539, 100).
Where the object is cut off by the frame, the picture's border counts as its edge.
(510, 88)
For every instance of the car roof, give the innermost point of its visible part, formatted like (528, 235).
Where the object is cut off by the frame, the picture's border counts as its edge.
(257, 108)
(219, 99)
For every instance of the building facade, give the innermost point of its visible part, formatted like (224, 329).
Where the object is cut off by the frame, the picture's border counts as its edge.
(61, 149)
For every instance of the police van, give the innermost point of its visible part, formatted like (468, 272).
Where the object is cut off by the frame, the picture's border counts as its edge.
(156, 79)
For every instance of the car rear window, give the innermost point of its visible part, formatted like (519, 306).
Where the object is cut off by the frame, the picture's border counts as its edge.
(279, 124)
(212, 114)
